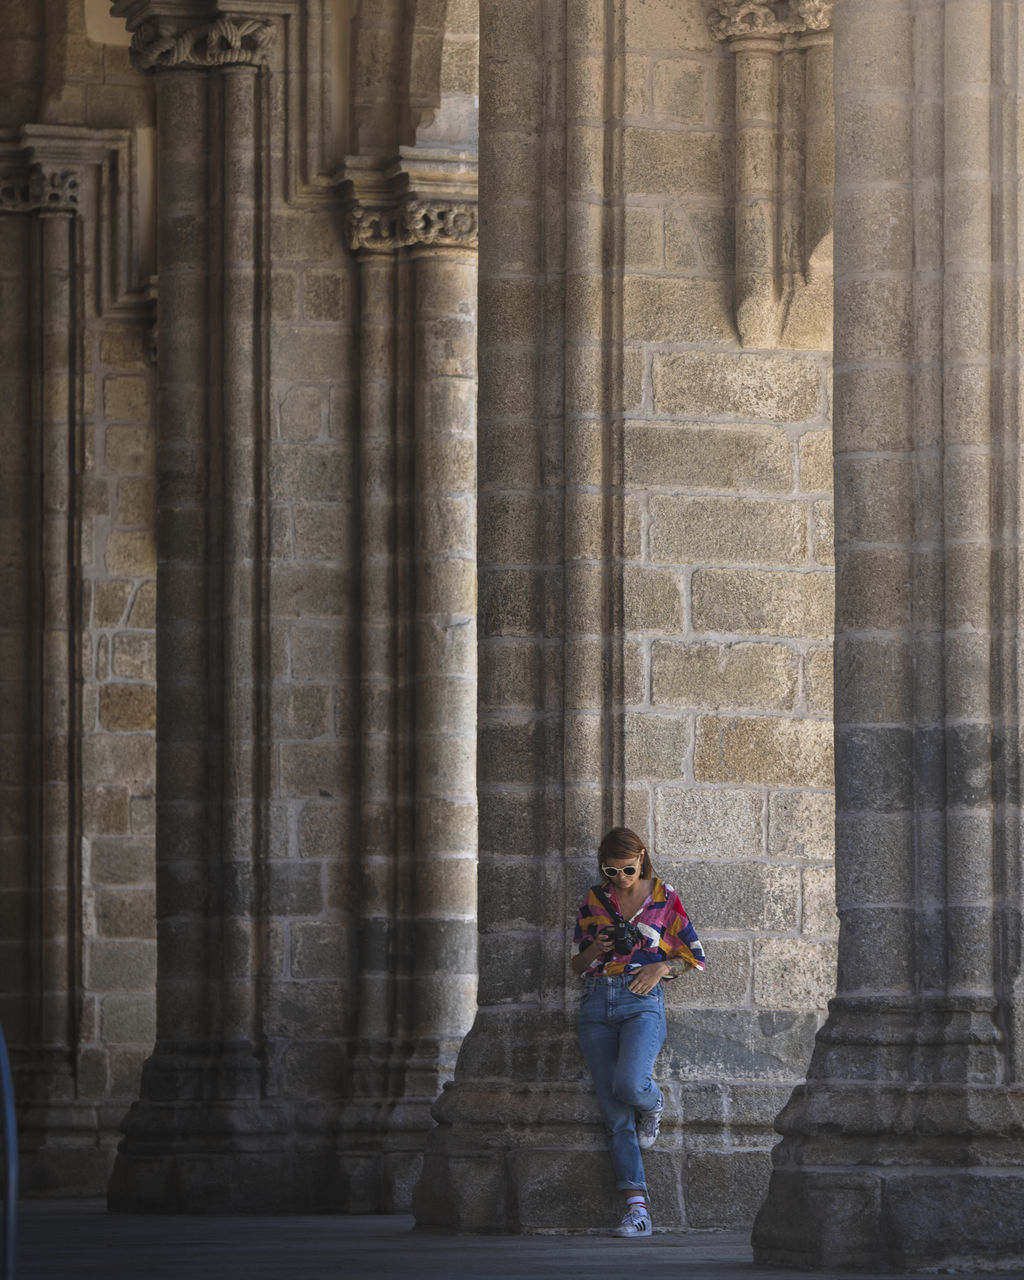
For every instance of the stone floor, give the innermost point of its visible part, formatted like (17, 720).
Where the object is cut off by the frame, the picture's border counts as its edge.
(70, 1239)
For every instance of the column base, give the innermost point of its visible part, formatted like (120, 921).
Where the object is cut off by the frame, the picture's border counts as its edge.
(893, 1220)
(903, 1150)
(203, 1139)
(520, 1147)
(385, 1123)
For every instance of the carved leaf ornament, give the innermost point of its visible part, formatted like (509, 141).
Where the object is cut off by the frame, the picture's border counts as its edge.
(433, 222)
(226, 42)
(730, 18)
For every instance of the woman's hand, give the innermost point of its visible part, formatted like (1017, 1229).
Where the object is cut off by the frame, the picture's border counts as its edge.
(647, 978)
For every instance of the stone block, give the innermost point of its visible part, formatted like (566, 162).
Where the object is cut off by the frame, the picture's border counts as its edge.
(131, 554)
(300, 711)
(143, 814)
(514, 601)
(725, 1188)
(656, 746)
(318, 951)
(877, 589)
(748, 896)
(122, 862)
(126, 398)
(818, 916)
(680, 90)
(661, 162)
(309, 590)
(733, 677)
(724, 984)
(592, 378)
(695, 456)
(126, 1065)
(294, 889)
(318, 650)
(128, 708)
(120, 966)
(818, 681)
(134, 656)
(128, 1019)
(677, 309)
(751, 387)
(793, 973)
(698, 823)
(125, 758)
(737, 601)
(307, 472)
(136, 501)
(692, 530)
(301, 413)
(801, 824)
(105, 810)
(815, 461)
(315, 768)
(284, 293)
(512, 674)
(323, 295)
(764, 750)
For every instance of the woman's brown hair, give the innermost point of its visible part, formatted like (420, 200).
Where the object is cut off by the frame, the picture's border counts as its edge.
(620, 842)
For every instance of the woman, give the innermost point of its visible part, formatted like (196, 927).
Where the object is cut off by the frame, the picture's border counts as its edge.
(622, 1010)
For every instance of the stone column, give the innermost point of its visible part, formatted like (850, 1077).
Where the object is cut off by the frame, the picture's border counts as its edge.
(904, 1148)
(417, 976)
(210, 1132)
(444, 640)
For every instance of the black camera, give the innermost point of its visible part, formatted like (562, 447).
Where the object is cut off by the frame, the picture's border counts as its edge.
(624, 935)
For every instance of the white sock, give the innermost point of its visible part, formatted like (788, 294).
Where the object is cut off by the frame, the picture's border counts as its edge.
(632, 1200)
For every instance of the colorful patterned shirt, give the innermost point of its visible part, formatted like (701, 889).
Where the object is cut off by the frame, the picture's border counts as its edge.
(665, 926)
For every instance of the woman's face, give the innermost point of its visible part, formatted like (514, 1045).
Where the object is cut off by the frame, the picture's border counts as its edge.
(627, 871)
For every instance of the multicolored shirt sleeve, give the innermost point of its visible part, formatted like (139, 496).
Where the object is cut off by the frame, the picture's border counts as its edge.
(665, 926)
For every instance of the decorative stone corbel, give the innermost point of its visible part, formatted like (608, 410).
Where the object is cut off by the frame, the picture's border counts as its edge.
(784, 151)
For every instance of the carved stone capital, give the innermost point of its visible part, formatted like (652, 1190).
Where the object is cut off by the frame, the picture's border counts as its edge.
(40, 187)
(225, 42)
(56, 189)
(428, 222)
(730, 18)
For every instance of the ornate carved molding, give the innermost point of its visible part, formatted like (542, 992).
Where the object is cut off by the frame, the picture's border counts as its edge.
(226, 42)
(729, 18)
(428, 222)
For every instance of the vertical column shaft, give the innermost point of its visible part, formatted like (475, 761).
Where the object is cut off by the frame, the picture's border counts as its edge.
(377, 272)
(757, 184)
(445, 644)
(55, 893)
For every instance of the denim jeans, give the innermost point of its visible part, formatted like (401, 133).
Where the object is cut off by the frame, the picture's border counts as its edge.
(621, 1034)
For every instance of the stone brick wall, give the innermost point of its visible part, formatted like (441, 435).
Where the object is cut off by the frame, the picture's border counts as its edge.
(77, 886)
(656, 617)
(118, 672)
(314, 723)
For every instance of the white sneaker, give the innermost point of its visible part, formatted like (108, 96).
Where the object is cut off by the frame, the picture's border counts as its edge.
(648, 1125)
(636, 1221)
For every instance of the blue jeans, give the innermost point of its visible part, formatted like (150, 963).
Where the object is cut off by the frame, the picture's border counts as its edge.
(621, 1034)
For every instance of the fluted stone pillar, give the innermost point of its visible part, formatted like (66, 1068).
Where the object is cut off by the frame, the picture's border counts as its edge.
(211, 1131)
(904, 1149)
(416, 251)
